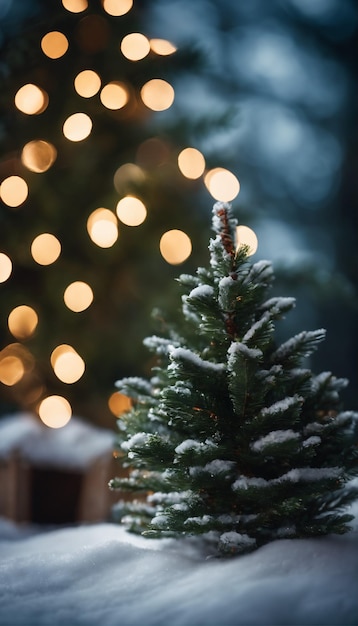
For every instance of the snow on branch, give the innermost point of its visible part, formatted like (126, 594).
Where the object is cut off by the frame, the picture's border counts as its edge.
(301, 345)
(278, 306)
(240, 350)
(273, 438)
(159, 345)
(186, 356)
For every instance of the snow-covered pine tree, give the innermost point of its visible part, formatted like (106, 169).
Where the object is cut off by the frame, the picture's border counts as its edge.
(234, 438)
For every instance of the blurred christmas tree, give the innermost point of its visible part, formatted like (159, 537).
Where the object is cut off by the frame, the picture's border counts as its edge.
(234, 438)
(89, 152)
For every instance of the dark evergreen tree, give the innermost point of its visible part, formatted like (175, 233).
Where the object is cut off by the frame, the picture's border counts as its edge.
(234, 438)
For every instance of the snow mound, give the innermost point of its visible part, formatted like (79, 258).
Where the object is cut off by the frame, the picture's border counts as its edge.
(100, 574)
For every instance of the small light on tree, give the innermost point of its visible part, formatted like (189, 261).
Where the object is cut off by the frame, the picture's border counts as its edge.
(77, 127)
(75, 6)
(119, 403)
(102, 227)
(87, 83)
(246, 236)
(31, 99)
(128, 174)
(191, 163)
(13, 191)
(117, 7)
(38, 155)
(69, 367)
(45, 249)
(11, 370)
(135, 46)
(55, 411)
(157, 94)
(5, 267)
(22, 321)
(131, 211)
(54, 45)
(222, 184)
(78, 296)
(114, 95)
(175, 246)
(162, 47)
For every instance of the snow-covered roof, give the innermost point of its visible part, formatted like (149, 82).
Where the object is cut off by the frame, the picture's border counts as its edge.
(74, 446)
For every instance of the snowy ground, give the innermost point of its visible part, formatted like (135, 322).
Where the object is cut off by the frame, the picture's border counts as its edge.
(99, 575)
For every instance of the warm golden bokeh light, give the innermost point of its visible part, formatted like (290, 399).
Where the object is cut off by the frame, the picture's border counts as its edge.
(246, 236)
(131, 211)
(5, 267)
(63, 348)
(67, 364)
(78, 296)
(162, 46)
(102, 227)
(135, 46)
(55, 411)
(157, 94)
(45, 249)
(11, 370)
(77, 127)
(128, 174)
(114, 95)
(191, 163)
(119, 403)
(54, 45)
(13, 191)
(15, 360)
(69, 367)
(75, 6)
(31, 99)
(22, 321)
(175, 246)
(222, 184)
(38, 155)
(117, 7)
(87, 83)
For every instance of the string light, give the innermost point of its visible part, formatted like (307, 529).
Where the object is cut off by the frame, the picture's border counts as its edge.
(175, 246)
(87, 83)
(22, 321)
(45, 249)
(222, 184)
(128, 174)
(38, 155)
(135, 46)
(54, 45)
(31, 99)
(78, 296)
(55, 411)
(5, 267)
(191, 163)
(15, 361)
(246, 236)
(162, 46)
(14, 191)
(75, 6)
(119, 403)
(67, 364)
(117, 7)
(102, 227)
(157, 94)
(77, 127)
(131, 211)
(114, 95)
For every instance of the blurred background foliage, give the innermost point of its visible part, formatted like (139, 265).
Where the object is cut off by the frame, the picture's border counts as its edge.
(266, 90)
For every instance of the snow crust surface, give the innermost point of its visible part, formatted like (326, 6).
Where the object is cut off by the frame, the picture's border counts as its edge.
(93, 575)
